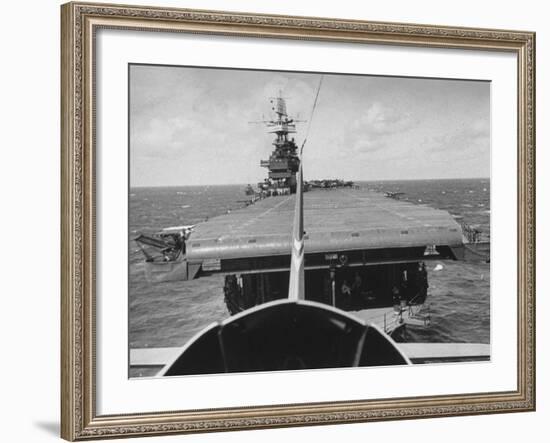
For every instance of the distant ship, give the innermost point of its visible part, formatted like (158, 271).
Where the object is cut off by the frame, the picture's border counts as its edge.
(363, 265)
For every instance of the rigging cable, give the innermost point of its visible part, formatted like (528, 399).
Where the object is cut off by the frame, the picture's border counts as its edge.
(311, 117)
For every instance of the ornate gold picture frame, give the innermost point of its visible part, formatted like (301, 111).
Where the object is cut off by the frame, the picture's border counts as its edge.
(80, 23)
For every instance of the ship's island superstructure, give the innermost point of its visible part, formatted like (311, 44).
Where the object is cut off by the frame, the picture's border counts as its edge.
(283, 162)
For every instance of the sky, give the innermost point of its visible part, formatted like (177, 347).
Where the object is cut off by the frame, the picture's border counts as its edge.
(196, 126)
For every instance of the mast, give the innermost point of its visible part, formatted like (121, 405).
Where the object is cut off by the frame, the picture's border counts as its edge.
(296, 283)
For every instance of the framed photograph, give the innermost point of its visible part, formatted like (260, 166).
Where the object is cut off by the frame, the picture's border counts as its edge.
(282, 221)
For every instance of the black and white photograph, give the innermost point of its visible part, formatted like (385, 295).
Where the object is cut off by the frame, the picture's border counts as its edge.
(275, 221)
(283, 221)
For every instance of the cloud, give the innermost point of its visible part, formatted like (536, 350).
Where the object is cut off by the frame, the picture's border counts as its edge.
(472, 139)
(191, 126)
(381, 119)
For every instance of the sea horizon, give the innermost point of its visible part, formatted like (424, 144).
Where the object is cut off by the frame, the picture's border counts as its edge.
(330, 178)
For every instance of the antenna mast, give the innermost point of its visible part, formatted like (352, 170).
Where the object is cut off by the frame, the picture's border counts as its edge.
(296, 283)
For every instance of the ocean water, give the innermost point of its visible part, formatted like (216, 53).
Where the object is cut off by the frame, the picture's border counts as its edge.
(169, 314)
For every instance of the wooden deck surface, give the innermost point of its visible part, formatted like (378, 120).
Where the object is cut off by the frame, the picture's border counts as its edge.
(339, 219)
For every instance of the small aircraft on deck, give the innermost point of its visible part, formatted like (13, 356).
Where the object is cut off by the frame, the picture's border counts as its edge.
(395, 195)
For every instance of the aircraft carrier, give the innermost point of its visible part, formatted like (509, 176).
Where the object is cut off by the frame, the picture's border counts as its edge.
(363, 249)
(365, 252)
